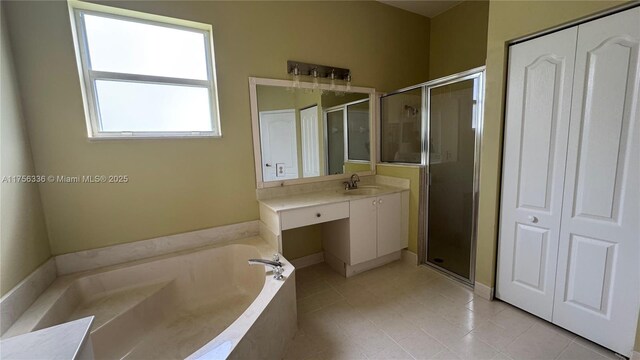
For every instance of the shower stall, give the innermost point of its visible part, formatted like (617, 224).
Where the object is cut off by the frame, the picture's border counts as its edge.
(437, 126)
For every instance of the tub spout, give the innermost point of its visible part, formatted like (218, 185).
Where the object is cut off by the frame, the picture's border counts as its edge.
(275, 264)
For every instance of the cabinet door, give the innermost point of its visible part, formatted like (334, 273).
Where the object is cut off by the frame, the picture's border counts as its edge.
(598, 281)
(389, 224)
(362, 229)
(535, 149)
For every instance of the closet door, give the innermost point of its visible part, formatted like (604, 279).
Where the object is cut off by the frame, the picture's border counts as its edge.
(537, 122)
(598, 281)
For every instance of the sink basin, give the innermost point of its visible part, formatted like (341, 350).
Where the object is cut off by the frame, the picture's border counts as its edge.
(363, 190)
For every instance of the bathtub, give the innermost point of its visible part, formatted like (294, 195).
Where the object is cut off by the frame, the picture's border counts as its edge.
(203, 304)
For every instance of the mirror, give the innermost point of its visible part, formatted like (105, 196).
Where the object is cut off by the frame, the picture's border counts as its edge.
(310, 132)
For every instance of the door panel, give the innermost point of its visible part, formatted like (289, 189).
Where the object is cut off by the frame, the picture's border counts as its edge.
(598, 283)
(362, 215)
(537, 147)
(537, 122)
(389, 224)
(530, 256)
(606, 67)
(589, 278)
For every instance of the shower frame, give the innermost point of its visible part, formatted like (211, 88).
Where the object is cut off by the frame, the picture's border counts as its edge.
(475, 73)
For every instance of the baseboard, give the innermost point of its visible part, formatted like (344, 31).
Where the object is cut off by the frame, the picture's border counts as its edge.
(309, 260)
(483, 291)
(118, 254)
(18, 299)
(409, 257)
(335, 263)
(368, 265)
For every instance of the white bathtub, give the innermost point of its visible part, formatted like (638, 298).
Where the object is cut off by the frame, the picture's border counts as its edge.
(208, 304)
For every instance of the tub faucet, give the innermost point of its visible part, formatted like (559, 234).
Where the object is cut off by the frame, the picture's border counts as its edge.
(275, 264)
(353, 183)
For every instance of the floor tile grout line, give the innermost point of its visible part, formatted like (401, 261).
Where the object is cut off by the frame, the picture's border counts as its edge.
(584, 347)
(394, 340)
(563, 349)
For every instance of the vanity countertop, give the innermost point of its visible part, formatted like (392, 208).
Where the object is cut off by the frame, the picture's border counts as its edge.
(296, 201)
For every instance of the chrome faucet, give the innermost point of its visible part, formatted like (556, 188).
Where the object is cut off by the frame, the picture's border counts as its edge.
(275, 264)
(353, 183)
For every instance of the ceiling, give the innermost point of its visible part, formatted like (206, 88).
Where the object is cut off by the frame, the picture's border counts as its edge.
(428, 8)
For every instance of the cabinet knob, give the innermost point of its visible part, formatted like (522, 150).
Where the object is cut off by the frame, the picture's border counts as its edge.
(374, 202)
(533, 219)
(318, 215)
(380, 201)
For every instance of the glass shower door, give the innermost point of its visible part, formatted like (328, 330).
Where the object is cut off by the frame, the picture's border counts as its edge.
(454, 110)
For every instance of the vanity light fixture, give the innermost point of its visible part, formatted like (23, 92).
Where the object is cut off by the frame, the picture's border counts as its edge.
(336, 76)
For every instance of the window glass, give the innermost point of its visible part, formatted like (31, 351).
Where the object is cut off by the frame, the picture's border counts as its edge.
(130, 106)
(138, 48)
(358, 131)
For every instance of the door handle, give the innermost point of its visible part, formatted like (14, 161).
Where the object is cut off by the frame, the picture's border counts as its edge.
(533, 219)
(267, 165)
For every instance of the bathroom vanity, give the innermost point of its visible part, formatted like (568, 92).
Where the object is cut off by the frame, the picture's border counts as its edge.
(362, 228)
(308, 139)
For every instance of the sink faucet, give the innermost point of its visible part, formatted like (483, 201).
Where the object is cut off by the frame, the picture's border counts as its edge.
(275, 264)
(353, 183)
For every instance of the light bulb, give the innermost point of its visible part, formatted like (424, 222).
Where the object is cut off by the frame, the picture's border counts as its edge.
(295, 78)
(316, 80)
(332, 76)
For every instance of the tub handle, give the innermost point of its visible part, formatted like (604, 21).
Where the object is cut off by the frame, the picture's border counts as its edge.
(276, 265)
(277, 273)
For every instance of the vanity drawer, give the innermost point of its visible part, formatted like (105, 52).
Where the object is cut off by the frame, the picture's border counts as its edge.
(314, 215)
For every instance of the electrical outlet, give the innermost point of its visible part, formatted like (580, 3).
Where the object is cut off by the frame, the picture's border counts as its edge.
(280, 172)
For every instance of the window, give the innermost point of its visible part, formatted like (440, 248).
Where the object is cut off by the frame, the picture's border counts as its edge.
(145, 75)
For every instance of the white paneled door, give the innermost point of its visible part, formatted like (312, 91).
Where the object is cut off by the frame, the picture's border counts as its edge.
(279, 141)
(537, 123)
(598, 283)
(569, 247)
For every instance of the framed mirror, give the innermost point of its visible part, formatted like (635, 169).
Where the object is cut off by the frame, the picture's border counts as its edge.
(310, 132)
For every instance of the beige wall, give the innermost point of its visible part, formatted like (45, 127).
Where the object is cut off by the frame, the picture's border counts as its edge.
(458, 39)
(183, 185)
(24, 244)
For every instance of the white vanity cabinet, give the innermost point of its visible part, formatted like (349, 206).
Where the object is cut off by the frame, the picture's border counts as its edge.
(374, 234)
(375, 228)
(359, 232)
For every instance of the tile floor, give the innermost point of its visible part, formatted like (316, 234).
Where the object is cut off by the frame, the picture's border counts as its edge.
(401, 311)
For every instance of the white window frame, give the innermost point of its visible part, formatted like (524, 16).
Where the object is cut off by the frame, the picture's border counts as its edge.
(88, 76)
